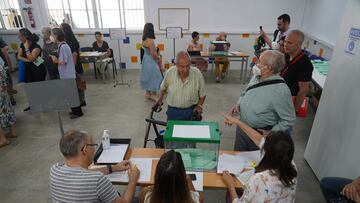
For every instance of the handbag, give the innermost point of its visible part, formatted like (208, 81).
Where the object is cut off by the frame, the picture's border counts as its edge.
(81, 84)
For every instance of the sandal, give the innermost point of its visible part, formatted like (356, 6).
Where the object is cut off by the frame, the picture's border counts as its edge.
(5, 143)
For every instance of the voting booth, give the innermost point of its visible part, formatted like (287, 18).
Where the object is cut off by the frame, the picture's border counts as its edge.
(197, 142)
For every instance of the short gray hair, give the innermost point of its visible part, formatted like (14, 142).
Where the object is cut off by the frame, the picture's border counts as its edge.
(183, 54)
(275, 59)
(299, 34)
(72, 142)
(46, 29)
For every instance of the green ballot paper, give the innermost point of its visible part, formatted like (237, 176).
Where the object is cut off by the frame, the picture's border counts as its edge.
(38, 61)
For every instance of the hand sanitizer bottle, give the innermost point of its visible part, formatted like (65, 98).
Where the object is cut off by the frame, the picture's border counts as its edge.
(105, 140)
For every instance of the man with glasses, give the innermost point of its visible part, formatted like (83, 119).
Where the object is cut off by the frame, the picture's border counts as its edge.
(72, 181)
(266, 104)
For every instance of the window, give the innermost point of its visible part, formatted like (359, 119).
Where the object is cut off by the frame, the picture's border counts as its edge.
(98, 13)
(10, 14)
(79, 13)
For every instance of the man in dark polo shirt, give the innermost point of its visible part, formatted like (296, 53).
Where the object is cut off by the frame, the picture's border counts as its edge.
(297, 72)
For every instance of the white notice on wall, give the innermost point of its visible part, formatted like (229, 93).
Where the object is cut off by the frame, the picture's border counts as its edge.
(117, 33)
(191, 131)
(353, 42)
(173, 32)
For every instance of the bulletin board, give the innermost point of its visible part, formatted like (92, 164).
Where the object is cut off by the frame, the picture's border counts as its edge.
(174, 17)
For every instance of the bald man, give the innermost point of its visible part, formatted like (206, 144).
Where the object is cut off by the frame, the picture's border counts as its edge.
(266, 103)
(185, 89)
(220, 72)
(297, 72)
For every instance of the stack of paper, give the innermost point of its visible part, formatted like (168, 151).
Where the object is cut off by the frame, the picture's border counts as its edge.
(143, 164)
(115, 154)
(232, 163)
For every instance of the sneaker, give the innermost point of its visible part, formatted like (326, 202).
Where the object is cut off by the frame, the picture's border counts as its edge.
(27, 109)
(73, 116)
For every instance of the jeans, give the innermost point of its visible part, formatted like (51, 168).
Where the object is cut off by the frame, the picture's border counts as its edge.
(331, 188)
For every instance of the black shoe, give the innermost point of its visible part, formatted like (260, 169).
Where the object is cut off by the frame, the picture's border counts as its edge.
(13, 102)
(73, 116)
(83, 104)
(27, 109)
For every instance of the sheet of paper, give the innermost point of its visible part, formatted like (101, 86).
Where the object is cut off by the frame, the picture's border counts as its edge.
(115, 154)
(198, 183)
(245, 176)
(252, 156)
(232, 163)
(191, 131)
(143, 164)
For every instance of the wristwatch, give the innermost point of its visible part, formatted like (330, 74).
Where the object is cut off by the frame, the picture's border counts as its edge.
(109, 168)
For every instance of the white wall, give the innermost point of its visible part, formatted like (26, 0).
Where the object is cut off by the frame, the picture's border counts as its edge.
(206, 16)
(322, 19)
(333, 147)
(231, 15)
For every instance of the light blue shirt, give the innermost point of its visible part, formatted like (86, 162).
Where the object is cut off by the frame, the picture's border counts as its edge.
(67, 70)
(269, 105)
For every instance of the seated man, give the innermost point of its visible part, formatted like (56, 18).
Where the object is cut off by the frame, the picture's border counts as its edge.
(340, 189)
(266, 103)
(220, 73)
(101, 46)
(185, 89)
(72, 181)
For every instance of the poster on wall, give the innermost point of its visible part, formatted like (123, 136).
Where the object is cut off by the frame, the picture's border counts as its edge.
(117, 33)
(353, 42)
(173, 32)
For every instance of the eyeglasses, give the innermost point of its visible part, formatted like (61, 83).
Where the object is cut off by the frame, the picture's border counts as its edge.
(92, 145)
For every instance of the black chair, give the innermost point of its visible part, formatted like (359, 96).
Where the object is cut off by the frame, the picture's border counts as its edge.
(112, 62)
(86, 49)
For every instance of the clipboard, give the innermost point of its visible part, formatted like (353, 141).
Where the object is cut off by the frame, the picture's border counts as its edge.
(113, 141)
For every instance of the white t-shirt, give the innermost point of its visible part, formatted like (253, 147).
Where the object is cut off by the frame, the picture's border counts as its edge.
(195, 196)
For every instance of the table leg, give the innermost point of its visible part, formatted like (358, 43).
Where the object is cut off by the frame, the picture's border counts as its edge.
(242, 69)
(246, 66)
(95, 70)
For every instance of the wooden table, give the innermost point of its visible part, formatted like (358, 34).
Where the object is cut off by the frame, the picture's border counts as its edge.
(231, 56)
(92, 57)
(212, 180)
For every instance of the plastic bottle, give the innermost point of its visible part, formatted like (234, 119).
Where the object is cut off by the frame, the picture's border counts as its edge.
(105, 140)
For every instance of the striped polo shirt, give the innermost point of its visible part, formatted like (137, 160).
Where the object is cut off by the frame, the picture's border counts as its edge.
(183, 94)
(76, 184)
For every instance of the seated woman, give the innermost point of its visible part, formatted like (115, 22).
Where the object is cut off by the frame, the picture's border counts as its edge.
(101, 46)
(194, 45)
(275, 176)
(171, 182)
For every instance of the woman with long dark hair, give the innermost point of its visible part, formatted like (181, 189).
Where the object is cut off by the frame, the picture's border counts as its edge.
(30, 54)
(171, 182)
(75, 49)
(275, 176)
(150, 72)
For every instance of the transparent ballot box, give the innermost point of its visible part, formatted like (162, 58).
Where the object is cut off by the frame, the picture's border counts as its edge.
(197, 142)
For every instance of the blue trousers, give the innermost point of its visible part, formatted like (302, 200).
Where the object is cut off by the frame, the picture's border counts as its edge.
(331, 188)
(184, 114)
